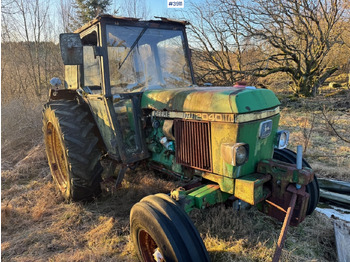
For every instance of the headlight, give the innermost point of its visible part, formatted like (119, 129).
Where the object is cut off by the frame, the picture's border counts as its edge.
(282, 139)
(235, 154)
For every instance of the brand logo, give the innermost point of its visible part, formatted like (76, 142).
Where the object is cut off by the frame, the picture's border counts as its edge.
(265, 128)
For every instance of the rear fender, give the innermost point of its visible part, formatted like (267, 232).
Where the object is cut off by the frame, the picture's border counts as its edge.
(62, 94)
(71, 94)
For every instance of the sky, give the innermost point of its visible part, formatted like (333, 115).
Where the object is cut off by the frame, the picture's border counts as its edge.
(159, 8)
(154, 7)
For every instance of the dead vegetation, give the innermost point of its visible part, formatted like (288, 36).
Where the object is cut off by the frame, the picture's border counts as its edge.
(321, 126)
(37, 225)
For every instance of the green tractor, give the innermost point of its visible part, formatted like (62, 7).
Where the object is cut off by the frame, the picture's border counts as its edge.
(129, 95)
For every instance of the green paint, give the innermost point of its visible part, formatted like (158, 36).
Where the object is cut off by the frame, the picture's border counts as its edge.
(252, 100)
(259, 149)
(287, 173)
(226, 184)
(160, 154)
(200, 197)
(210, 100)
(100, 111)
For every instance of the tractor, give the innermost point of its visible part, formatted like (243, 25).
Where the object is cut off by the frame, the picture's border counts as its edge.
(130, 96)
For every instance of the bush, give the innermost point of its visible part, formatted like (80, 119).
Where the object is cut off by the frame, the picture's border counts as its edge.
(20, 129)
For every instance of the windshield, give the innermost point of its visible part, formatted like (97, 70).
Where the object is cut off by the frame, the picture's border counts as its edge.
(146, 58)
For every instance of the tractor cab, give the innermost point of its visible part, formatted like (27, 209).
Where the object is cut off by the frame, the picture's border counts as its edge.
(113, 61)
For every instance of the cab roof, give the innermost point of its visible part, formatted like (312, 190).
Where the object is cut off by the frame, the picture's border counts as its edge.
(111, 19)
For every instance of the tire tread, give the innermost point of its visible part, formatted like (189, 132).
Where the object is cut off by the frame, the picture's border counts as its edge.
(80, 142)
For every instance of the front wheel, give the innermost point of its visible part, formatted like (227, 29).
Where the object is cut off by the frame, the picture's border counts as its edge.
(312, 188)
(161, 230)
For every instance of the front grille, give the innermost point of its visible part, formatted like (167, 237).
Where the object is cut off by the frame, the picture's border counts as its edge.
(193, 144)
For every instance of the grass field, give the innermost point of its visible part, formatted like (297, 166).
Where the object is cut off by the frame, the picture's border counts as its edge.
(38, 225)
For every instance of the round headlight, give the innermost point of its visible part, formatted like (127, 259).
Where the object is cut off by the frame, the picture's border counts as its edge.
(241, 155)
(283, 137)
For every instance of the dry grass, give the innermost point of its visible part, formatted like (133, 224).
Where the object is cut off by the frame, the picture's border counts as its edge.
(326, 152)
(20, 130)
(38, 225)
(251, 236)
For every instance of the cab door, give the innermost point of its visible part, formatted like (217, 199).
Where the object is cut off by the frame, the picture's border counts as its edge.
(126, 113)
(118, 116)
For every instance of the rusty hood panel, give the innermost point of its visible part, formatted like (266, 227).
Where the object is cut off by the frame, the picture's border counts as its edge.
(212, 99)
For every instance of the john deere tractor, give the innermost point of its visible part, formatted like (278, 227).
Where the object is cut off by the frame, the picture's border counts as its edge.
(129, 96)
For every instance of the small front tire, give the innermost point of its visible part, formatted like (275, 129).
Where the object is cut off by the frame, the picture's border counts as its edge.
(159, 227)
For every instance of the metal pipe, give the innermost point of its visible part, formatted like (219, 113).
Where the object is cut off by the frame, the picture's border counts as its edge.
(299, 157)
(284, 229)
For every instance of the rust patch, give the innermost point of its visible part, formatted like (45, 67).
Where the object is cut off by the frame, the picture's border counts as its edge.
(193, 144)
(283, 175)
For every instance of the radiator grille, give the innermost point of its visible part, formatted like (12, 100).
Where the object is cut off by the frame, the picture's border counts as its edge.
(193, 144)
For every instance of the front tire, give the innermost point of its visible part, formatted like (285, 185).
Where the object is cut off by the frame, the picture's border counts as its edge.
(160, 227)
(71, 149)
(312, 188)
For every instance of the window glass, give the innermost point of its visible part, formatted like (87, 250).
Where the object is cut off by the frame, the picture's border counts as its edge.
(92, 72)
(146, 58)
(172, 61)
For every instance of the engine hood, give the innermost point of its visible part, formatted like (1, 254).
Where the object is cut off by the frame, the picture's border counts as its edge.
(210, 99)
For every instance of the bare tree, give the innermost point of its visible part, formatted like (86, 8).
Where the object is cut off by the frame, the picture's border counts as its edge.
(29, 55)
(297, 37)
(219, 54)
(330, 123)
(135, 8)
(67, 14)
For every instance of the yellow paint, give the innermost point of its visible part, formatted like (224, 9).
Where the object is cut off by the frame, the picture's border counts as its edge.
(250, 188)
(226, 184)
(256, 115)
(71, 76)
(103, 120)
(99, 110)
(192, 99)
(221, 133)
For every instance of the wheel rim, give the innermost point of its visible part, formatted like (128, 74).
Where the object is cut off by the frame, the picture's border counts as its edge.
(56, 157)
(148, 246)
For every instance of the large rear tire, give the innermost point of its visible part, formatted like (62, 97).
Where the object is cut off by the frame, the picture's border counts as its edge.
(160, 227)
(312, 188)
(71, 149)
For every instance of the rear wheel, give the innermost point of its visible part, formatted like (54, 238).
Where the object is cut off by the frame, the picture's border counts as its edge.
(71, 149)
(160, 229)
(312, 188)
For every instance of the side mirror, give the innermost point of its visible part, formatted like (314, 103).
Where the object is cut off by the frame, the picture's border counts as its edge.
(71, 49)
(55, 82)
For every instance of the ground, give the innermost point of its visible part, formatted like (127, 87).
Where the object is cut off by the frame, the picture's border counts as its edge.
(38, 225)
